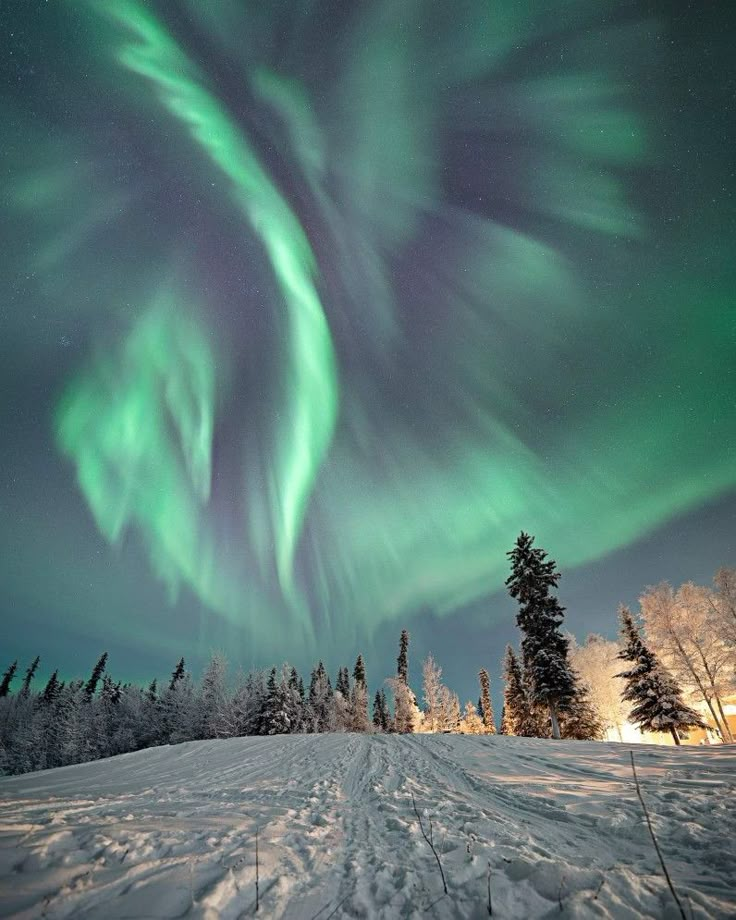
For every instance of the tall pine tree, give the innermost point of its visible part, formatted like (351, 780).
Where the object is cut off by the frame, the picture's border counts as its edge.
(94, 679)
(8, 679)
(657, 704)
(544, 649)
(30, 674)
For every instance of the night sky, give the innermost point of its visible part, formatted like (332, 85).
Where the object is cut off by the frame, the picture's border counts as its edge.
(308, 308)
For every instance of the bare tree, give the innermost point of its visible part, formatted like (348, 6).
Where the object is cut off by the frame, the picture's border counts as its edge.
(724, 600)
(680, 626)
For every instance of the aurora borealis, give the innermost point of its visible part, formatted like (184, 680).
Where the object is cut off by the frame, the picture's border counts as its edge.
(310, 308)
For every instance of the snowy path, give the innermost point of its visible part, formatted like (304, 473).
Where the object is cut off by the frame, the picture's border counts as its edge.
(170, 831)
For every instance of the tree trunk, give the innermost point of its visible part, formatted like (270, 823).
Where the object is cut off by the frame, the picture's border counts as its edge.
(675, 735)
(699, 684)
(555, 723)
(729, 733)
(725, 730)
(716, 720)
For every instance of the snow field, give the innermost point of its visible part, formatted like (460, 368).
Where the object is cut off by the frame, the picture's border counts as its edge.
(170, 831)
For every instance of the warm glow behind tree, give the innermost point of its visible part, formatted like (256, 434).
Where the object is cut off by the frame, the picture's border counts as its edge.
(597, 664)
(684, 628)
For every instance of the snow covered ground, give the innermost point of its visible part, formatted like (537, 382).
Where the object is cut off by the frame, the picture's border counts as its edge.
(171, 831)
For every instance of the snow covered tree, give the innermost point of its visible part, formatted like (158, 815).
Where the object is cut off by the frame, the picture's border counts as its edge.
(486, 706)
(597, 664)
(432, 682)
(724, 598)
(51, 690)
(656, 698)
(179, 710)
(518, 718)
(579, 720)
(684, 627)
(544, 648)
(213, 702)
(276, 719)
(407, 717)
(8, 679)
(406, 712)
(359, 698)
(321, 700)
(471, 723)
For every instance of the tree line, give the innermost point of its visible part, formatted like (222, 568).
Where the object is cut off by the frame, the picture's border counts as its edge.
(553, 688)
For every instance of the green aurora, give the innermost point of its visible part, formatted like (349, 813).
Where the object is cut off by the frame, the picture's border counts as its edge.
(362, 290)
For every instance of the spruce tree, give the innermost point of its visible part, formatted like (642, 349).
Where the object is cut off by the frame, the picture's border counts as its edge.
(177, 674)
(359, 671)
(403, 660)
(359, 698)
(8, 679)
(342, 685)
(484, 704)
(152, 692)
(97, 672)
(377, 713)
(579, 721)
(30, 674)
(275, 717)
(657, 700)
(544, 648)
(51, 690)
(517, 717)
(405, 704)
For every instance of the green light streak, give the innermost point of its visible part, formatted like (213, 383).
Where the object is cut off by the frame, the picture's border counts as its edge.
(311, 380)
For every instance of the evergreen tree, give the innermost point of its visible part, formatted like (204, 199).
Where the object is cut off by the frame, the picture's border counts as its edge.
(359, 698)
(517, 717)
(403, 660)
(214, 701)
(8, 679)
(579, 721)
(51, 690)
(276, 719)
(544, 648)
(657, 700)
(342, 685)
(377, 713)
(177, 674)
(485, 705)
(472, 724)
(387, 723)
(321, 700)
(30, 674)
(97, 672)
(504, 728)
(359, 671)
(381, 714)
(152, 692)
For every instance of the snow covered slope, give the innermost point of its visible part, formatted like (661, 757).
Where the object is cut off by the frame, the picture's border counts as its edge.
(171, 831)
